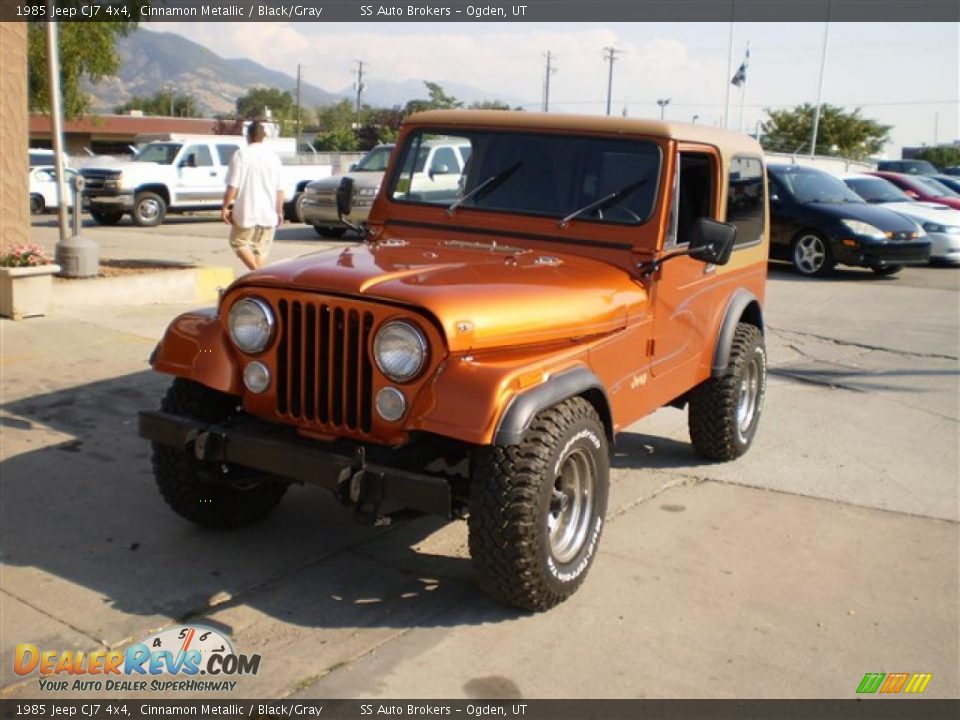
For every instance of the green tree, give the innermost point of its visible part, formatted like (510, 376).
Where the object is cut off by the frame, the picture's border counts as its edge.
(161, 103)
(491, 105)
(437, 100)
(940, 155)
(87, 49)
(841, 133)
(255, 103)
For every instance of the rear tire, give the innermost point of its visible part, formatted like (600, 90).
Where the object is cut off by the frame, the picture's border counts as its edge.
(326, 231)
(537, 508)
(725, 411)
(106, 217)
(291, 209)
(201, 491)
(149, 209)
(36, 204)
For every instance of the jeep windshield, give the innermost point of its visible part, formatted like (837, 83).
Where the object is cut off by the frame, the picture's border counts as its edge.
(375, 161)
(551, 176)
(160, 153)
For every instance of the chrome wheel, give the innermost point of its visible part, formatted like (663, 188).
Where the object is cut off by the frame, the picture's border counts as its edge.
(571, 505)
(809, 254)
(748, 398)
(149, 209)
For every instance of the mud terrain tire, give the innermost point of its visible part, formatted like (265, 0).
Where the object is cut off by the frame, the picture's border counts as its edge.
(530, 547)
(186, 483)
(725, 411)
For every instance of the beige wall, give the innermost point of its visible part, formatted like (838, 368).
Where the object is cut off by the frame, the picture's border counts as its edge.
(14, 161)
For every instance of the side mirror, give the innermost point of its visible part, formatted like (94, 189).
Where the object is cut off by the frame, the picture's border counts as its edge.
(352, 167)
(438, 170)
(774, 198)
(712, 241)
(189, 161)
(344, 197)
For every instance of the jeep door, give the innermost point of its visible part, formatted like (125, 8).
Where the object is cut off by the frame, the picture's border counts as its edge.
(684, 294)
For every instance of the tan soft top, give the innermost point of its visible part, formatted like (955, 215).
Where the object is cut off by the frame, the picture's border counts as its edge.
(728, 142)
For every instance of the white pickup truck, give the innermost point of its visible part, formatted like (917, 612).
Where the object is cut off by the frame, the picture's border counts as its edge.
(186, 174)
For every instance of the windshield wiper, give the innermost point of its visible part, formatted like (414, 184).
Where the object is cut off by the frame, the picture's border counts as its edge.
(485, 187)
(604, 202)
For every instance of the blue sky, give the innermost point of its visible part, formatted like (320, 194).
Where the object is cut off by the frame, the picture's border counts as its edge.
(902, 74)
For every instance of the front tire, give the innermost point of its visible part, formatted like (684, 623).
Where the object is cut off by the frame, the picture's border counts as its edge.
(36, 204)
(326, 231)
(537, 508)
(811, 255)
(214, 495)
(887, 270)
(725, 411)
(149, 209)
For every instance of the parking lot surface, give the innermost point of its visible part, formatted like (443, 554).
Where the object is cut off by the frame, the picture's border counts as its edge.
(830, 550)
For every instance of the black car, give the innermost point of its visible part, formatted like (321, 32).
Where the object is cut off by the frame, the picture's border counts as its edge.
(908, 167)
(816, 221)
(951, 181)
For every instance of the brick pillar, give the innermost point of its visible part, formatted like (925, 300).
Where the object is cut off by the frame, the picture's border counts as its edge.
(14, 136)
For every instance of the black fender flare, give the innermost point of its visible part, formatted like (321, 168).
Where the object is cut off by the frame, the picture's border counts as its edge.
(743, 303)
(523, 407)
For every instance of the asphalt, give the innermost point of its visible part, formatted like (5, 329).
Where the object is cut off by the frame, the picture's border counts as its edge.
(829, 551)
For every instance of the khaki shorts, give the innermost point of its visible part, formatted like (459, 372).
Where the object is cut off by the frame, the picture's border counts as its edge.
(256, 239)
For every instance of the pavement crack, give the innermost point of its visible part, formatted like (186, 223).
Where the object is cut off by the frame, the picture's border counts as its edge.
(849, 343)
(676, 480)
(32, 606)
(807, 380)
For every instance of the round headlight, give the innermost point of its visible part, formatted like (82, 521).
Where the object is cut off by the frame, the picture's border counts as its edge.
(251, 324)
(256, 377)
(400, 350)
(391, 404)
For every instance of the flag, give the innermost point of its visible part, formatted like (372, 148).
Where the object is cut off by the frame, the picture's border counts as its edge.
(740, 77)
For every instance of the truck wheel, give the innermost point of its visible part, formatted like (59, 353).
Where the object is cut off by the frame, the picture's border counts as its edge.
(725, 411)
(197, 490)
(537, 508)
(149, 209)
(325, 231)
(106, 217)
(811, 254)
(36, 204)
(887, 269)
(291, 209)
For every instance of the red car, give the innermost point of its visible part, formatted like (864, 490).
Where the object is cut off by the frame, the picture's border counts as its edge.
(921, 187)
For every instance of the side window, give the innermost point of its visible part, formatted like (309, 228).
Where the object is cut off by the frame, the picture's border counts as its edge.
(225, 153)
(197, 156)
(746, 206)
(693, 195)
(445, 162)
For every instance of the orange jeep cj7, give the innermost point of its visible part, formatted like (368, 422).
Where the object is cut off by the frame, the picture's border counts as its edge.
(475, 354)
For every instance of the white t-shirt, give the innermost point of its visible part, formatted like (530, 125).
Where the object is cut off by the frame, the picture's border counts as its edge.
(255, 173)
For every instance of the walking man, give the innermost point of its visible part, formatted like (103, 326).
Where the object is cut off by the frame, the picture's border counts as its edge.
(253, 190)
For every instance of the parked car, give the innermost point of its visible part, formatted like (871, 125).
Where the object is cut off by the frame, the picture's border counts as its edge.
(437, 168)
(43, 188)
(922, 187)
(952, 171)
(478, 353)
(951, 181)
(181, 175)
(818, 222)
(41, 157)
(909, 167)
(939, 222)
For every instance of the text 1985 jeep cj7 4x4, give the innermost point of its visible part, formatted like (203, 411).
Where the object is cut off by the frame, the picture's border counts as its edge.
(476, 354)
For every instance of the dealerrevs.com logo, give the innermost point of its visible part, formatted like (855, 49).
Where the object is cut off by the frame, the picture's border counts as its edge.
(184, 652)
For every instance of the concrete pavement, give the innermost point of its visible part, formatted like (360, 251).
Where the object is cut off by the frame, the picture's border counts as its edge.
(829, 551)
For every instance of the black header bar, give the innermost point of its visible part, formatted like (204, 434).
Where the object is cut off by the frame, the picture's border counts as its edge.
(495, 11)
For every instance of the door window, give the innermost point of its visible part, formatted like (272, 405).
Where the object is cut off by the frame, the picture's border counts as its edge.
(693, 195)
(746, 204)
(197, 156)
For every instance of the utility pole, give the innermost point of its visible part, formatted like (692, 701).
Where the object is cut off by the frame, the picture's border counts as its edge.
(726, 102)
(823, 65)
(694, 119)
(359, 87)
(610, 56)
(546, 81)
(297, 146)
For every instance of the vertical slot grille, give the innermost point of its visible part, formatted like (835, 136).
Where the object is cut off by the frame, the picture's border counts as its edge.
(324, 371)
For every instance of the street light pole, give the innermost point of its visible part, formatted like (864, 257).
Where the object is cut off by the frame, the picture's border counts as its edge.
(663, 102)
(823, 65)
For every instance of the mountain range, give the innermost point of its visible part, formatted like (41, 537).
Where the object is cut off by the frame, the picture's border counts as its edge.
(151, 61)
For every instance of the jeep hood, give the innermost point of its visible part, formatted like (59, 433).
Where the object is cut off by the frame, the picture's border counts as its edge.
(483, 294)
